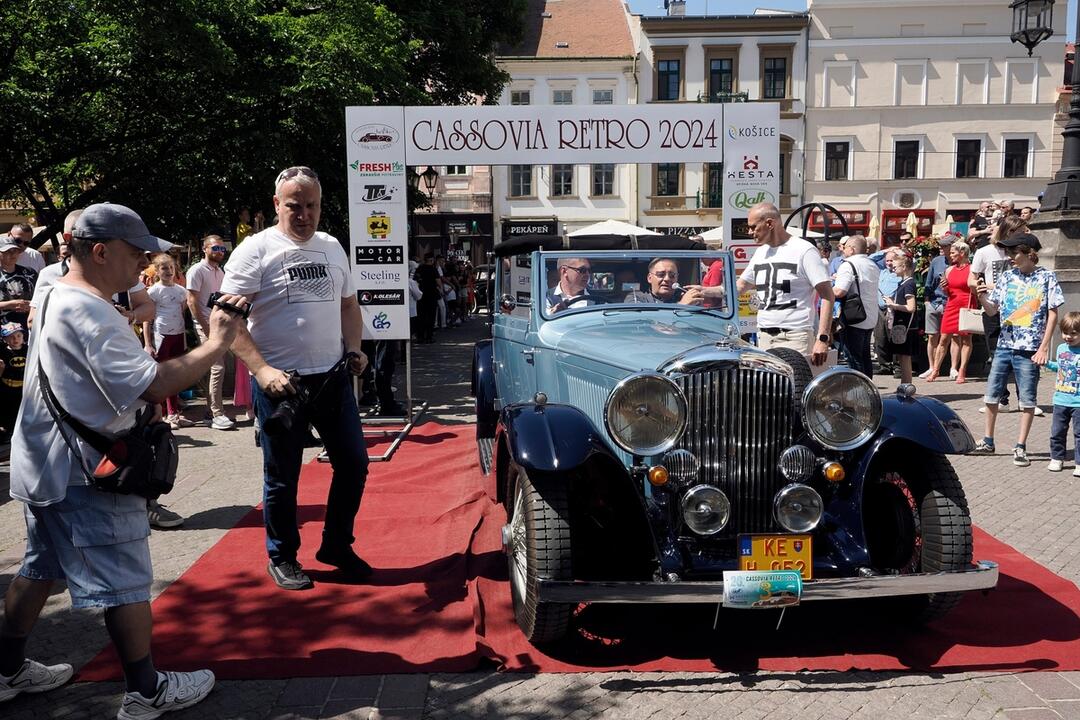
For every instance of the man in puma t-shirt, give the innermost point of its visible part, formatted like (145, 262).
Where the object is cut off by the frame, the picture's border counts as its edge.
(789, 278)
(304, 317)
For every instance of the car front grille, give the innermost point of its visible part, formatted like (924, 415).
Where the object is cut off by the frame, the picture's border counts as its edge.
(739, 420)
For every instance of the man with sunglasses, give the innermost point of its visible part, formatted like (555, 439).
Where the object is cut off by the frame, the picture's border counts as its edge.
(204, 279)
(22, 234)
(663, 280)
(304, 318)
(786, 272)
(573, 287)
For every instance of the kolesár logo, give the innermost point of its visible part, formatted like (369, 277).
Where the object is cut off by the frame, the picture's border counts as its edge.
(375, 136)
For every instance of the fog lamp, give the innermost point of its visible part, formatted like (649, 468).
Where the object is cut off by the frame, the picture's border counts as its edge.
(658, 475)
(798, 508)
(706, 510)
(797, 463)
(834, 472)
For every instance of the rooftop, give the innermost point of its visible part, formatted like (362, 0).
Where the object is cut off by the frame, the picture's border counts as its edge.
(573, 29)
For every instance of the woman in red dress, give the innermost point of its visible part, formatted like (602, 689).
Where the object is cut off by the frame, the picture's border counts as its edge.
(955, 282)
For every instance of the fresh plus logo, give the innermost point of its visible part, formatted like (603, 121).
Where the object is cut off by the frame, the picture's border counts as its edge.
(380, 321)
(749, 162)
(377, 169)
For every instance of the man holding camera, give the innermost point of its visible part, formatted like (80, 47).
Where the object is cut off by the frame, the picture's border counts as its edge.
(95, 540)
(304, 318)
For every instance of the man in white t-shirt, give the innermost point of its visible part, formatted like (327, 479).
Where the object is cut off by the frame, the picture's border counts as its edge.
(22, 234)
(857, 265)
(304, 317)
(94, 540)
(789, 278)
(204, 279)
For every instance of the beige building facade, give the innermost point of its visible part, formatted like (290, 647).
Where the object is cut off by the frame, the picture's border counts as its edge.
(926, 107)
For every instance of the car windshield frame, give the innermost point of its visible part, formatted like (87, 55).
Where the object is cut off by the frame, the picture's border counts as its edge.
(542, 258)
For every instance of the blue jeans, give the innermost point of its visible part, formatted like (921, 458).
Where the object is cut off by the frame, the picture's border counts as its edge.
(857, 347)
(1016, 362)
(1059, 428)
(333, 413)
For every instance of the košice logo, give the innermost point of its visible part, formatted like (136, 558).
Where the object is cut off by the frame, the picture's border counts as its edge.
(754, 131)
(378, 193)
(745, 200)
(380, 322)
(378, 225)
(376, 136)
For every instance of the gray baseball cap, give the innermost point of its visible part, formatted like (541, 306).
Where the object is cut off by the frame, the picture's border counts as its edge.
(105, 221)
(8, 243)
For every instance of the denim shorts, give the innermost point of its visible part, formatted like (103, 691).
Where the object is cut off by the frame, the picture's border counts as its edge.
(1027, 377)
(95, 540)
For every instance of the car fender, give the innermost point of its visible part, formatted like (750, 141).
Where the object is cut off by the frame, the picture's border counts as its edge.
(483, 387)
(551, 438)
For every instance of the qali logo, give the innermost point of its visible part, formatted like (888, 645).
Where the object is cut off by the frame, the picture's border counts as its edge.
(746, 200)
(378, 193)
(375, 136)
(380, 321)
(754, 131)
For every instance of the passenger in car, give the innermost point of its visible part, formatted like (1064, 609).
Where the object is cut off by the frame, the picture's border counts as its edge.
(664, 286)
(572, 289)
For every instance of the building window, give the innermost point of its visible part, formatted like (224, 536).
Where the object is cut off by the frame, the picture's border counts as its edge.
(668, 79)
(721, 77)
(906, 160)
(836, 160)
(1016, 157)
(715, 185)
(457, 170)
(521, 180)
(667, 178)
(603, 97)
(562, 97)
(603, 179)
(968, 155)
(783, 172)
(774, 83)
(520, 97)
(562, 180)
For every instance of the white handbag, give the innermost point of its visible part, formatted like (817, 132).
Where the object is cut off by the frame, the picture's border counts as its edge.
(971, 321)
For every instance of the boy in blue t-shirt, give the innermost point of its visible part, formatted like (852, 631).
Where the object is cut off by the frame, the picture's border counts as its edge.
(1066, 394)
(1027, 296)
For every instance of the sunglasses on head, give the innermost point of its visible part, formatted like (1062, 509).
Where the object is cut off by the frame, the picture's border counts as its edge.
(290, 173)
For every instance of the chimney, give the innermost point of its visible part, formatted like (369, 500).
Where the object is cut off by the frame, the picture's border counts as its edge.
(675, 8)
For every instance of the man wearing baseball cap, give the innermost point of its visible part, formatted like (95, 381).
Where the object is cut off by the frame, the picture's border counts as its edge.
(95, 540)
(16, 283)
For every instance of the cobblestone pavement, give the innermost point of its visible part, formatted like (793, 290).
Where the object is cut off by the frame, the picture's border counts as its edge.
(220, 480)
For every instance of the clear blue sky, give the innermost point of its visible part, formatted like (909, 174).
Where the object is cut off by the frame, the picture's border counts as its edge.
(746, 7)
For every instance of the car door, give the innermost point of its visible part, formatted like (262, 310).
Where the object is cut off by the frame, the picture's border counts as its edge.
(515, 372)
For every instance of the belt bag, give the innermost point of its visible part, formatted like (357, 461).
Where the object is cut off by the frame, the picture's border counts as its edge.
(141, 462)
(851, 306)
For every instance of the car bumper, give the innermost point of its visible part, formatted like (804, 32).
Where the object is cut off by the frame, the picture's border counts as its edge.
(982, 575)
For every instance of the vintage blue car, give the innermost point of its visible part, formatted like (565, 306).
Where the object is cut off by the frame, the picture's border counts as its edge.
(642, 448)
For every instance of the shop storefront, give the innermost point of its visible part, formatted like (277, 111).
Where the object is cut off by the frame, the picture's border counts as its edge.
(894, 224)
(464, 237)
(858, 222)
(528, 226)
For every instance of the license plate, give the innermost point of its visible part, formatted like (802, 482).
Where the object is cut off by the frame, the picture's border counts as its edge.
(777, 552)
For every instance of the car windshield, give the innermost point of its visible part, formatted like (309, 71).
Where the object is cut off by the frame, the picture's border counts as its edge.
(646, 281)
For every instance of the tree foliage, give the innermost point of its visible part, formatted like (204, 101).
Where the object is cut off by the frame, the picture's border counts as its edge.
(186, 109)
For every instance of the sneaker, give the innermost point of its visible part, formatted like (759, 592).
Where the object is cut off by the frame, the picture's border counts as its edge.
(926, 373)
(220, 422)
(33, 677)
(1039, 411)
(162, 517)
(1020, 458)
(983, 448)
(346, 560)
(289, 575)
(1076, 471)
(176, 691)
(1002, 408)
(1055, 465)
(953, 373)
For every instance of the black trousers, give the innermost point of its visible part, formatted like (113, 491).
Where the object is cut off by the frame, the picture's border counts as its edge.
(426, 310)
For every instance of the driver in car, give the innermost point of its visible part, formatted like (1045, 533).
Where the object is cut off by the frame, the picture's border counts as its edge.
(572, 290)
(664, 286)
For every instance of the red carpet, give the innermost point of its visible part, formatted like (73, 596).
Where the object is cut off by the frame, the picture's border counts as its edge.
(439, 602)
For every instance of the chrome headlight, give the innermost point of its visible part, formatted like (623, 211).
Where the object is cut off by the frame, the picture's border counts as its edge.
(841, 409)
(706, 509)
(798, 508)
(645, 414)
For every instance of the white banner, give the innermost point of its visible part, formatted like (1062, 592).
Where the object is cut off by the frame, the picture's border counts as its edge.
(751, 176)
(579, 134)
(379, 219)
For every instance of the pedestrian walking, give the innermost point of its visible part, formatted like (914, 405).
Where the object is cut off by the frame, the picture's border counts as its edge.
(164, 338)
(204, 279)
(1066, 364)
(1027, 296)
(858, 276)
(955, 282)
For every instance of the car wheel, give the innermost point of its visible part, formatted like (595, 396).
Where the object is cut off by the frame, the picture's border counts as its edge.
(917, 520)
(538, 546)
(801, 375)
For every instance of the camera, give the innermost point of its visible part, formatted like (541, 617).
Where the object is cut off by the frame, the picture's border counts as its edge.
(281, 420)
(215, 301)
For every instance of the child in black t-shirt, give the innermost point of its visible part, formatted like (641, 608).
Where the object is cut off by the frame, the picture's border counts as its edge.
(12, 367)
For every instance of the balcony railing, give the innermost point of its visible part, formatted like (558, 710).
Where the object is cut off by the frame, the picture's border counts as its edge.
(724, 97)
(462, 203)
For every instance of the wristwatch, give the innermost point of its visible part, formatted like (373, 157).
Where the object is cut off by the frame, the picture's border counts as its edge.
(824, 338)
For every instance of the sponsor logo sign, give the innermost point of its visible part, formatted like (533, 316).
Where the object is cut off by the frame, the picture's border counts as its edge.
(381, 321)
(375, 136)
(379, 255)
(378, 225)
(380, 297)
(365, 168)
(746, 132)
(378, 193)
(746, 199)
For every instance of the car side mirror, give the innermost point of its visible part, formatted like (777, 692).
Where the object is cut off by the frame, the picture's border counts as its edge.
(507, 303)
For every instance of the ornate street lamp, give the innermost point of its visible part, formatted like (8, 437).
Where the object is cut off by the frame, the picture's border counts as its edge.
(431, 179)
(1033, 22)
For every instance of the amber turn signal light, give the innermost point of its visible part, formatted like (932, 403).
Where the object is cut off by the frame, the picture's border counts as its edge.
(658, 475)
(834, 472)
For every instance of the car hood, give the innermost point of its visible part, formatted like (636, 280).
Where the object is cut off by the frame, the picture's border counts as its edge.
(634, 341)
